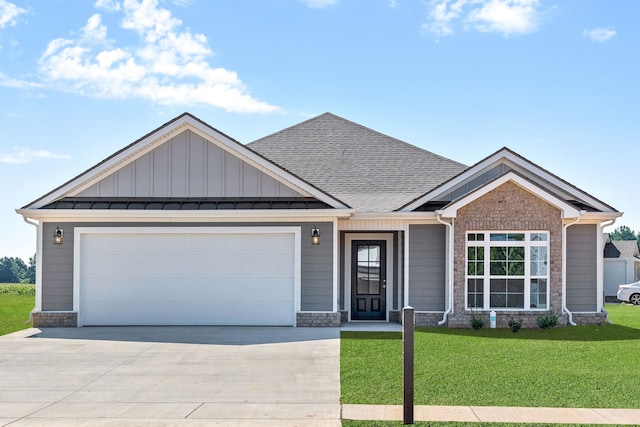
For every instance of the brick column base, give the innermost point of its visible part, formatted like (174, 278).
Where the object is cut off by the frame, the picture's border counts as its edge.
(50, 319)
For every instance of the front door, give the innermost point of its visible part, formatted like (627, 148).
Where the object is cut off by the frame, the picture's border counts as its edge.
(368, 280)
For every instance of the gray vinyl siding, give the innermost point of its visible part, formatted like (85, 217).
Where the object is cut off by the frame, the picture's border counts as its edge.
(427, 267)
(316, 262)
(582, 277)
(57, 270)
(188, 166)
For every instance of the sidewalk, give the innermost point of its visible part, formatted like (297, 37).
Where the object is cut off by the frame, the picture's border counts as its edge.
(492, 414)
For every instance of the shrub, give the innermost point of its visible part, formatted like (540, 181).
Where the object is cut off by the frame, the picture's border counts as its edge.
(515, 325)
(15, 289)
(548, 321)
(477, 322)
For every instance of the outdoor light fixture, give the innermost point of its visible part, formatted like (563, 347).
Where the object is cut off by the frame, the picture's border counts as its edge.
(57, 236)
(315, 236)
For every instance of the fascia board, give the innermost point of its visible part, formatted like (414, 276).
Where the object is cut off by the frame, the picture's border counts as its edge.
(598, 217)
(373, 216)
(163, 134)
(568, 211)
(508, 155)
(177, 215)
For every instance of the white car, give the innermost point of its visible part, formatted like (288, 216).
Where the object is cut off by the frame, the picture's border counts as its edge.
(630, 293)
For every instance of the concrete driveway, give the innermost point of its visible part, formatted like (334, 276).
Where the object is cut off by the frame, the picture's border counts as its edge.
(170, 376)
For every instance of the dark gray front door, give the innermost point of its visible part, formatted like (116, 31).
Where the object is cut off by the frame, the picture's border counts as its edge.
(368, 280)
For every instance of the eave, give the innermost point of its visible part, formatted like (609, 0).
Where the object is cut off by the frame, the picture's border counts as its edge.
(111, 215)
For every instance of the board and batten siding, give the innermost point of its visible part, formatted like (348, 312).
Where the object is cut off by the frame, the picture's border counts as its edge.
(188, 166)
(427, 267)
(582, 275)
(316, 270)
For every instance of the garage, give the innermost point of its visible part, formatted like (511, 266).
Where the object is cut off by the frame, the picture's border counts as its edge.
(187, 276)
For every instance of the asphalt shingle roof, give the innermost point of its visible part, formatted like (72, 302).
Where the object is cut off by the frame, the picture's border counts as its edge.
(368, 170)
(621, 249)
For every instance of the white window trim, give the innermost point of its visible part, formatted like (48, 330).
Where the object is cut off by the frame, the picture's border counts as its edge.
(527, 244)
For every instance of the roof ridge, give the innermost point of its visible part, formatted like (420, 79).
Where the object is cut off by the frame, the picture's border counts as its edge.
(366, 128)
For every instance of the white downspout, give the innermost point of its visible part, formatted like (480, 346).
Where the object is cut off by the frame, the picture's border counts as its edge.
(602, 226)
(449, 226)
(38, 269)
(564, 271)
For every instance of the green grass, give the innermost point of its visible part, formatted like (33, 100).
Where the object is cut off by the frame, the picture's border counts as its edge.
(354, 423)
(16, 301)
(584, 366)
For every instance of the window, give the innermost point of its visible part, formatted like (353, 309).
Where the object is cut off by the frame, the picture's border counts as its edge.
(508, 271)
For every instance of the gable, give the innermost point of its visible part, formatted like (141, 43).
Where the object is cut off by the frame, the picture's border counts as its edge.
(520, 186)
(189, 166)
(497, 165)
(186, 158)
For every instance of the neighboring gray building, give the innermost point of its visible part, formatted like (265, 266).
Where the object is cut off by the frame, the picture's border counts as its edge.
(321, 223)
(621, 265)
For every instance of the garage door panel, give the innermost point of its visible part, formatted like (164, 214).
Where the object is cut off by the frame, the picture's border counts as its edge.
(153, 279)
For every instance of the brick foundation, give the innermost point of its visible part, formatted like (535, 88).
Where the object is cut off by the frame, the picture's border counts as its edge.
(589, 318)
(427, 319)
(318, 320)
(48, 319)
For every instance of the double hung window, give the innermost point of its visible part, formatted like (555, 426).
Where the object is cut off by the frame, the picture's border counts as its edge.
(508, 271)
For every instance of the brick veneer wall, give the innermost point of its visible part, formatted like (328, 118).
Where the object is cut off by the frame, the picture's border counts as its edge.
(318, 319)
(44, 319)
(507, 208)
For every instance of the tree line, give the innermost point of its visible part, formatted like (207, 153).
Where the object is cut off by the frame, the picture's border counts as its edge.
(15, 270)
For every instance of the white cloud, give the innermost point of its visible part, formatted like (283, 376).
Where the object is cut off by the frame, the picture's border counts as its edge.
(22, 155)
(6, 81)
(507, 17)
(319, 4)
(9, 12)
(599, 34)
(167, 67)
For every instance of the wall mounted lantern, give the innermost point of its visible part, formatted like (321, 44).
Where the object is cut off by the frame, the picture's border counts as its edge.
(57, 236)
(315, 236)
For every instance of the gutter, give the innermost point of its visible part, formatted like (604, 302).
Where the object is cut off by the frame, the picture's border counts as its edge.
(449, 225)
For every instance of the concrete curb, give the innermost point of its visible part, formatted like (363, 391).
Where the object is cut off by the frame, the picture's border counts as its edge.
(489, 414)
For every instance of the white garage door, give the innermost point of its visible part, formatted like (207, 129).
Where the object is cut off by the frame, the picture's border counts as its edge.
(168, 278)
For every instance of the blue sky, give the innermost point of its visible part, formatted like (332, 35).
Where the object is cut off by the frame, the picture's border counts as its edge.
(555, 81)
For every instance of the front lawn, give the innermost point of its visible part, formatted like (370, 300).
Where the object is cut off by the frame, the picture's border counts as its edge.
(584, 366)
(16, 301)
(358, 423)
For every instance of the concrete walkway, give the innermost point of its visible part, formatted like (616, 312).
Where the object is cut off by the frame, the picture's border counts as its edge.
(170, 376)
(490, 414)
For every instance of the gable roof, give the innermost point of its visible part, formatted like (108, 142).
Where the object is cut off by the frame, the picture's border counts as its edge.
(368, 170)
(621, 249)
(512, 161)
(157, 137)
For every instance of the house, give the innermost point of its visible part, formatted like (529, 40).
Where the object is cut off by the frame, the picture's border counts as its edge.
(621, 265)
(321, 223)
